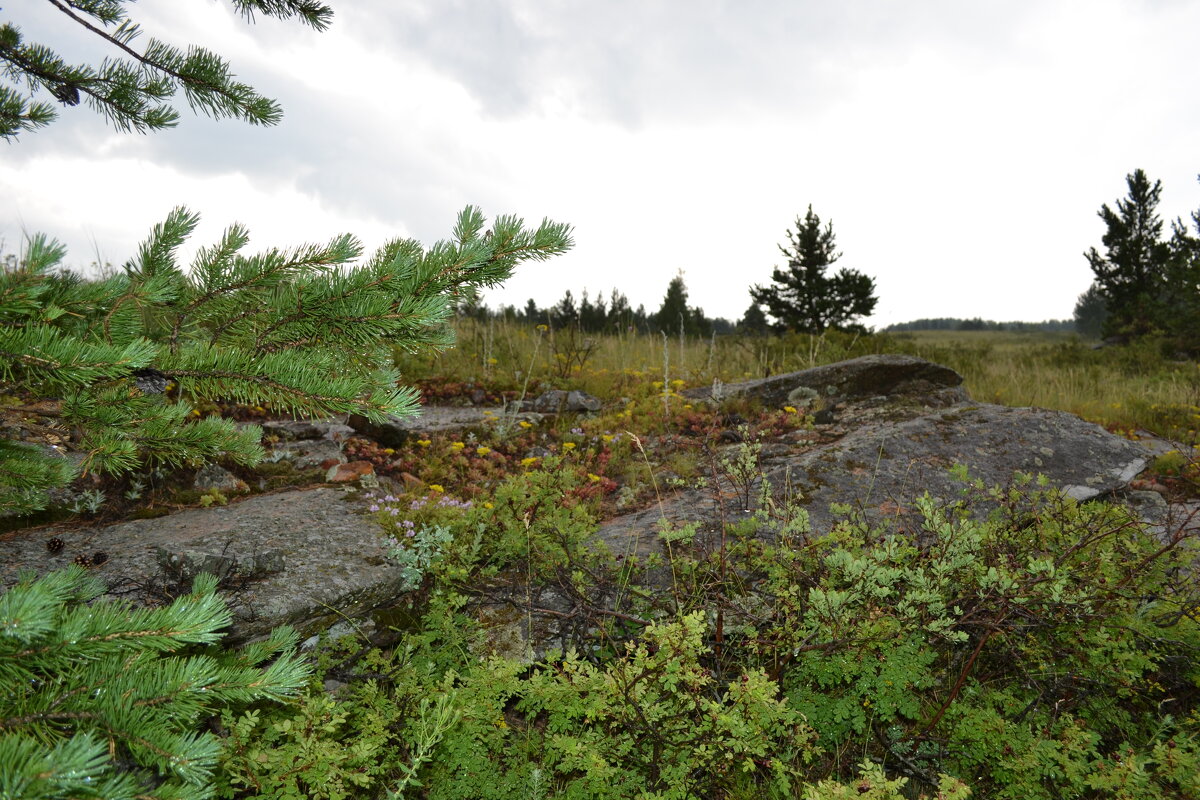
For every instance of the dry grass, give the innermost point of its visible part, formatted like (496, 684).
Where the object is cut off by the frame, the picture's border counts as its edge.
(1126, 388)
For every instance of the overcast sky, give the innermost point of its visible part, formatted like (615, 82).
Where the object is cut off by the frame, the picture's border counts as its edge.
(960, 148)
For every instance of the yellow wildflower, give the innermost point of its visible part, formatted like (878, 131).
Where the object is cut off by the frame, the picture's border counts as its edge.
(543, 328)
(677, 384)
(493, 361)
(437, 487)
(423, 443)
(525, 424)
(482, 451)
(568, 446)
(608, 437)
(456, 446)
(593, 477)
(789, 409)
(488, 505)
(529, 462)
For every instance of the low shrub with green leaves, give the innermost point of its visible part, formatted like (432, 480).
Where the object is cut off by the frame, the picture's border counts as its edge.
(1046, 651)
(101, 700)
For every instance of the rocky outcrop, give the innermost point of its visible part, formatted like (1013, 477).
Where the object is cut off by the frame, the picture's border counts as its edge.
(557, 401)
(884, 452)
(889, 375)
(312, 557)
(306, 558)
(395, 431)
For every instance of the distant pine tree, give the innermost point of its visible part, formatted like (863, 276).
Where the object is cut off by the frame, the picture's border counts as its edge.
(803, 297)
(1131, 275)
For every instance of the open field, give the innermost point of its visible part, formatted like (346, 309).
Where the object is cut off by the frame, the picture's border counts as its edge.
(1127, 388)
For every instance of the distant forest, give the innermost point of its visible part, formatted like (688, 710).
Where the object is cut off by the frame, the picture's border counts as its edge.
(613, 314)
(955, 324)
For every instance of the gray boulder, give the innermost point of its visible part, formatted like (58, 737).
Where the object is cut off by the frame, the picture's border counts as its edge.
(395, 431)
(214, 476)
(299, 429)
(308, 453)
(557, 401)
(887, 375)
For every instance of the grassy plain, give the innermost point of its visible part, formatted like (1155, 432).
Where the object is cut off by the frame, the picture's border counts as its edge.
(1127, 389)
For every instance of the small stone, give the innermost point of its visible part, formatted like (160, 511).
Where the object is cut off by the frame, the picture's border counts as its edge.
(214, 476)
(350, 471)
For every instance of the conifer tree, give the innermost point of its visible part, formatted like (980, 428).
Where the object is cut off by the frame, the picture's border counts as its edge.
(1131, 275)
(753, 322)
(802, 297)
(133, 88)
(101, 700)
(675, 315)
(125, 360)
(1180, 313)
(1091, 311)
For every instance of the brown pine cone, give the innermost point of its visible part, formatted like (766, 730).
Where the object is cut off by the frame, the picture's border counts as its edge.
(55, 545)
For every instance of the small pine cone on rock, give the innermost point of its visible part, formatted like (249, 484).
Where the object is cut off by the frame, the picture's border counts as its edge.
(83, 560)
(55, 545)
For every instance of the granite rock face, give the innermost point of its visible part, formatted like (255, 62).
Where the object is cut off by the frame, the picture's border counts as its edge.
(305, 558)
(884, 452)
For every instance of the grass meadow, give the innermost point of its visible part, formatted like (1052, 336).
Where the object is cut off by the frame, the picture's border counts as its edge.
(1128, 389)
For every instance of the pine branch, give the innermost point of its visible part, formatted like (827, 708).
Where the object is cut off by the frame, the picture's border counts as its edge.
(81, 684)
(205, 77)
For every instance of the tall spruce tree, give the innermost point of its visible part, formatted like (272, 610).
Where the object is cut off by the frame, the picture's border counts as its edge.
(133, 89)
(1132, 273)
(801, 296)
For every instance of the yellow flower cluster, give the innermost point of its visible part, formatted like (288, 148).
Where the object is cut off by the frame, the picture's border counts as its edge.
(530, 461)
(568, 445)
(482, 451)
(456, 446)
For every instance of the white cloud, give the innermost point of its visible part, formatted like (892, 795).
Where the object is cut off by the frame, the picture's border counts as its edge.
(961, 150)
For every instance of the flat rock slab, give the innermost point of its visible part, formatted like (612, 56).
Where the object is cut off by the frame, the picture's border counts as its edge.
(880, 467)
(332, 561)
